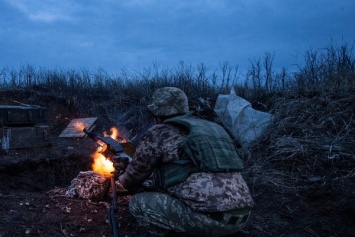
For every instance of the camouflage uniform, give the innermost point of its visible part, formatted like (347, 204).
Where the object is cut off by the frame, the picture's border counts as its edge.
(205, 204)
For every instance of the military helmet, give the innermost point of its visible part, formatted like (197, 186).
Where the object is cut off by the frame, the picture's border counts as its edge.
(168, 101)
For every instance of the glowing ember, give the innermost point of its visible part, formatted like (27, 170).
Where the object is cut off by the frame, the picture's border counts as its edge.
(79, 126)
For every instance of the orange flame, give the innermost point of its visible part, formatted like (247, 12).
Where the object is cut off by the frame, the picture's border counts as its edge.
(102, 165)
(115, 134)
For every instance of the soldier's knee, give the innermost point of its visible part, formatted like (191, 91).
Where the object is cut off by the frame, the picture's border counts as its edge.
(141, 202)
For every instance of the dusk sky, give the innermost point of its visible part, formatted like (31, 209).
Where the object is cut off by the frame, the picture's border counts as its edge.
(134, 34)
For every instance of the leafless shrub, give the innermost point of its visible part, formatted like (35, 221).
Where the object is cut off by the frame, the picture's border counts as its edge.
(331, 69)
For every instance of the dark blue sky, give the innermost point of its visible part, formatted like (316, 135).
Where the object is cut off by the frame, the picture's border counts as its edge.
(122, 34)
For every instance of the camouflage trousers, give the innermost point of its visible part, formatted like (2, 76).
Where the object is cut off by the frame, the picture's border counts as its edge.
(162, 213)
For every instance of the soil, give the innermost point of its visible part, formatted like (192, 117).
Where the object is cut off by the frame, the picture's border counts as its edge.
(32, 203)
(32, 186)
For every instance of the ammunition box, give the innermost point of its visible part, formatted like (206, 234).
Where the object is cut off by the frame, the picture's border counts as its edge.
(24, 137)
(22, 115)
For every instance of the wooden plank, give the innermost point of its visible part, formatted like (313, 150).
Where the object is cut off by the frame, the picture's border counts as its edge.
(76, 126)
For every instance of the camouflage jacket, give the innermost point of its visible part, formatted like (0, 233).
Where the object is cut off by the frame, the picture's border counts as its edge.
(203, 191)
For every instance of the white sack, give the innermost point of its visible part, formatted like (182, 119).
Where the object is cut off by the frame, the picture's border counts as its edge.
(237, 114)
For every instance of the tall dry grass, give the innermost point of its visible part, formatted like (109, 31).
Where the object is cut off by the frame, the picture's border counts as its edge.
(313, 107)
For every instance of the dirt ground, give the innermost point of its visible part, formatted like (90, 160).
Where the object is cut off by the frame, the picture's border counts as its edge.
(32, 203)
(32, 186)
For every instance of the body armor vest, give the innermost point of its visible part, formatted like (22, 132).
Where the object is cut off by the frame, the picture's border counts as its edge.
(207, 148)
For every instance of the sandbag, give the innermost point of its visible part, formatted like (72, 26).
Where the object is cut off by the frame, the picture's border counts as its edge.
(88, 185)
(245, 123)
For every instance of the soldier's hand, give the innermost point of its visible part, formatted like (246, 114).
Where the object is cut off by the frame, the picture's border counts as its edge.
(120, 184)
(123, 194)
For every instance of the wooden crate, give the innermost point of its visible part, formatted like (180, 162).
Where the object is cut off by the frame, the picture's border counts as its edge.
(24, 137)
(22, 115)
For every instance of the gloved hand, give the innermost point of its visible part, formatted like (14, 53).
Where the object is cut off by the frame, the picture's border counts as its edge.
(124, 196)
(120, 162)
(119, 184)
(120, 188)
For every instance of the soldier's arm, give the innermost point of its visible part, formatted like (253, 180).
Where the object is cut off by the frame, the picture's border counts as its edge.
(144, 161)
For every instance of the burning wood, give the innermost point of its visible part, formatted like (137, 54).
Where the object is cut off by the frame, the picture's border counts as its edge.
(95, 184)
(110, 158)
(102, 164)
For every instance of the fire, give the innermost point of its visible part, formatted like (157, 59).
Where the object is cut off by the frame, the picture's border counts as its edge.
(115, 134)
(102, 165)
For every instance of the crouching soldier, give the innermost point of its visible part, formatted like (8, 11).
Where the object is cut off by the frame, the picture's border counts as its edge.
(195, 171)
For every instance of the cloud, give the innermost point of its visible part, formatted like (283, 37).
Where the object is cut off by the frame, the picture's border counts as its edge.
(134, 33)
(42, 11)
(47, 17)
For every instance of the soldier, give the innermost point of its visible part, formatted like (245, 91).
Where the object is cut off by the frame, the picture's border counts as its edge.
(194, 169)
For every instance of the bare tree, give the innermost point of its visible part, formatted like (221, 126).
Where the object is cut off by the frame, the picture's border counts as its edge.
(268, 60)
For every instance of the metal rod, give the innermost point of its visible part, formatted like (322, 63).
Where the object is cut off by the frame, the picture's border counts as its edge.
(112, 210)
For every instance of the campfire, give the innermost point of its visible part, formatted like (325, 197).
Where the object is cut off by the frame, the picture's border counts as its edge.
(102, 165)
(111, 149)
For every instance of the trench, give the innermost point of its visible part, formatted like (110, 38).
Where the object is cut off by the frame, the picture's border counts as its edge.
(42, 175)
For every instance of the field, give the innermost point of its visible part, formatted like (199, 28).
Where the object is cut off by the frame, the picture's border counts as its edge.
(301, 171)
(291, 198)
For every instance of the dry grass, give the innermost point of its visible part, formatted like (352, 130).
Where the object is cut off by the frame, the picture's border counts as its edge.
(311, 140)
(313, 131)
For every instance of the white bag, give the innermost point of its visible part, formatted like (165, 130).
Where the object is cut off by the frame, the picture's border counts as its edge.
(245, 123)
